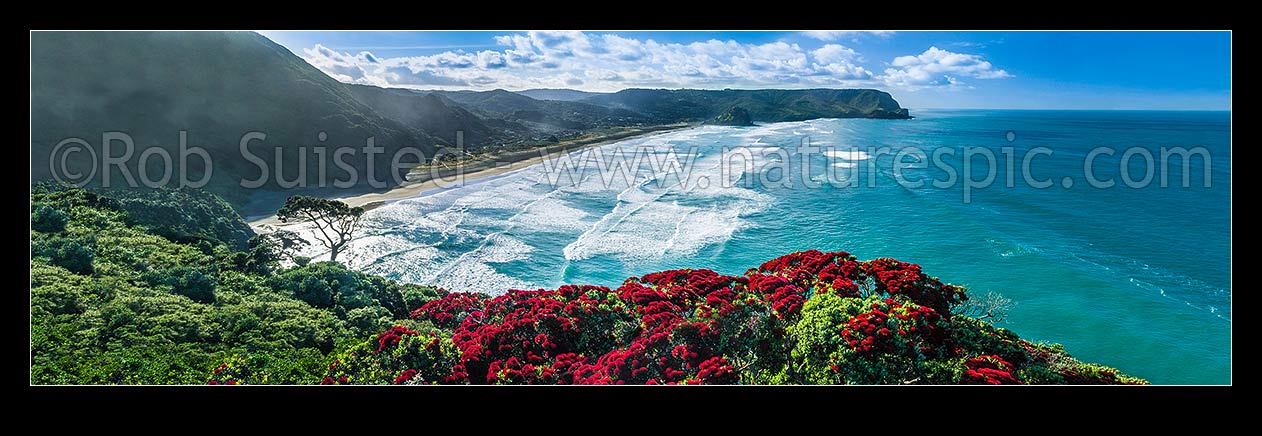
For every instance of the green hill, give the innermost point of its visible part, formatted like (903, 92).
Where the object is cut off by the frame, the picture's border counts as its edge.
(736, 116)
(217, 86)
(557, 94)
(542, 115)
(437, 116)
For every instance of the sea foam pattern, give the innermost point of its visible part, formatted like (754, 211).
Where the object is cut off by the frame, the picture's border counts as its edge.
(463, 238)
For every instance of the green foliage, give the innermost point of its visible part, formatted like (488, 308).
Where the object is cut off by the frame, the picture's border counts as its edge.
(414, 296)
(825, 353)
(331, 285)
(268, 368)
(1040, 375)
(185, 215)
(304, 287)
(265, 252)
(429, 356)
(301, 208)
(58, 291)
(980, 337)
(111, 302)
(187, 281)
(817, 337)
(71, 254)
(365, 321)
(47, 219)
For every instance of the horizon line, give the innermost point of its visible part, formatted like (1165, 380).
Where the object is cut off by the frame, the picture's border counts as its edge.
(1066, 109)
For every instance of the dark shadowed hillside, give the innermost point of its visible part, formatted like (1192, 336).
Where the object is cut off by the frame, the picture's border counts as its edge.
(215, 85)
(433, 114)
(558, 94)
(544, 116)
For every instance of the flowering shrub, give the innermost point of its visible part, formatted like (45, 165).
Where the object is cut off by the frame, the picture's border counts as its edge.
(785, 298)
(450, 310)
(519, 334)
(892, 327)
(1092, 374)
(902, 278)
(397, 356)
(848, 340)
(804, 318)
(988, 370)
(231, 372)
(835, 272)
(976, 337)
(1049, 364)
(264, 368)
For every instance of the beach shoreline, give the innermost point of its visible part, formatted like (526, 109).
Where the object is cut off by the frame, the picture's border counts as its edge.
(477, 170)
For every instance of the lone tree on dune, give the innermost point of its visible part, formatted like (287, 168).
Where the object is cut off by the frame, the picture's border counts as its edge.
(335, 220)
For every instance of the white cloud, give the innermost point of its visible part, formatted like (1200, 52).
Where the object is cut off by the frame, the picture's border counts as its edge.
(840, 62)
(836, 35)
(835, 53)
(341, 66)
(405, 76)
(937, 67)
(603, 62)
(491, 59)
(624, 49)
(608, 62)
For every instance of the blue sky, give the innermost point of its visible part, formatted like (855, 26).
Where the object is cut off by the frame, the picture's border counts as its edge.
(1025, 70)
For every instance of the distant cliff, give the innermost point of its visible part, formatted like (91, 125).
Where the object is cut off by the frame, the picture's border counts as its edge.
(766, 105)
(736, 116)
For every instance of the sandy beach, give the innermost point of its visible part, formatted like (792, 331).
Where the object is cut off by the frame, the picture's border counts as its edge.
(473, 171)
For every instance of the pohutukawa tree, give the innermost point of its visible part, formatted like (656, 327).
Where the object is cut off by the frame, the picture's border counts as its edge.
(335, 221)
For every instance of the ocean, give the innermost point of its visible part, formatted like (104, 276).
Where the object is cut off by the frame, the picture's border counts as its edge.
(1135, 277)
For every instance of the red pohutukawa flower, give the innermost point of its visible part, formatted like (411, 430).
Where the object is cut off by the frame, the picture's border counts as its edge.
(901, 278)
(786, 298)
(666, 327)
(449, 311)
(405, 376)
(988, 370)
(689, 327)
(391, 337)
(892, 327)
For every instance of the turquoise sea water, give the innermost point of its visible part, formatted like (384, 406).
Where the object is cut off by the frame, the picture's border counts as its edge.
(1136, 278)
